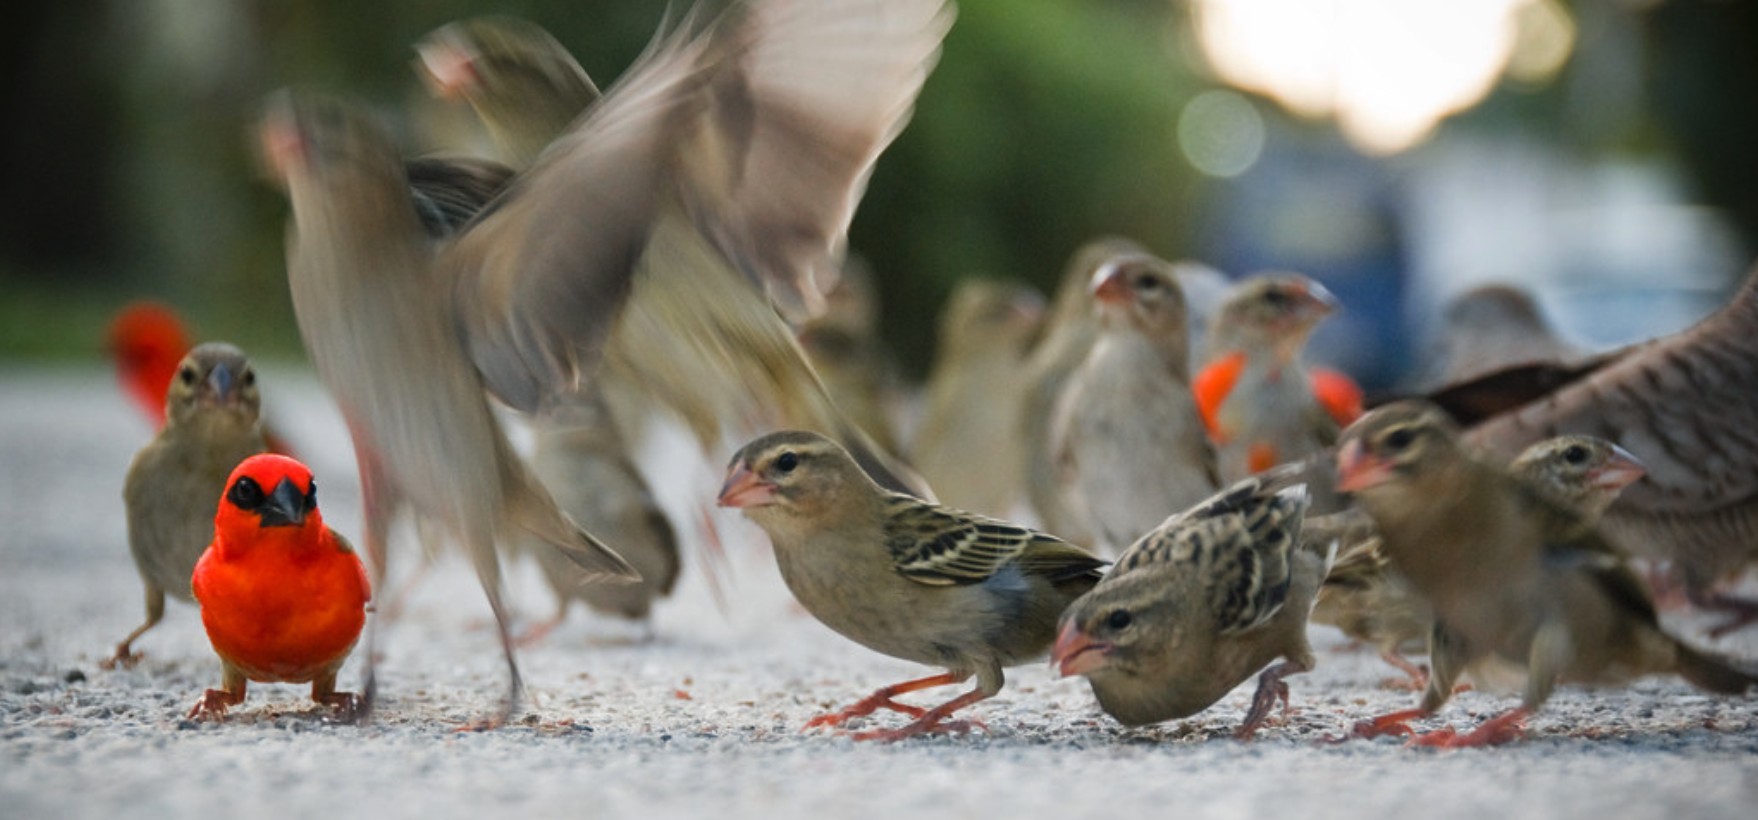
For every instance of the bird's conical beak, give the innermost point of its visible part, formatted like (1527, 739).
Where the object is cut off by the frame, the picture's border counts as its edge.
(221, 380)
(1618, 472)
(1319, 301)
(285, 506)
(1356, 470)
(1077, 654)
(1109, 285)
(744, 489)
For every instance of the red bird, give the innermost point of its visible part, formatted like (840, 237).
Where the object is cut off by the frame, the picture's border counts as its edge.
(147, 341)
(282, 596)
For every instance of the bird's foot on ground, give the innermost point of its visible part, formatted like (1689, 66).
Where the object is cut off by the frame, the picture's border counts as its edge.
(867, 706)
(213, 705)
(123, 659)
(1504, 728)
(1396, 723)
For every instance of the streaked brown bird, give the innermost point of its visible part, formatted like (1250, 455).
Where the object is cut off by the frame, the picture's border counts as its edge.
(211, 424)
(1513, 579)
(904, 577)
(1211, 597)
(729, 155)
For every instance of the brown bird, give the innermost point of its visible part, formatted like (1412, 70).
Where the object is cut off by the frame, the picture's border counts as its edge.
(1682, 404)
(1130, 444)
(904, 577)
(1365, 598)
(967, 444)
(211, 424)
(1068, 334)
(1512, 578)
(725, 157)
(1215, 594)
(1490, 328)
(588, 470)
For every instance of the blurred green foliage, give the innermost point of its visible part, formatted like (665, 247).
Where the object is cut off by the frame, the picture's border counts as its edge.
(1046, 122)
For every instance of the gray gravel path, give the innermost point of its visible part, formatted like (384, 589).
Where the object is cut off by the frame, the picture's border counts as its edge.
(702, 718)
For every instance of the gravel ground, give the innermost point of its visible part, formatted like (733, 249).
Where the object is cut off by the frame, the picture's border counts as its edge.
(701, 714)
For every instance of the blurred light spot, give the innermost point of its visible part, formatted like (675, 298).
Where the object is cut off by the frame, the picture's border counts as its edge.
(1546, 36)
(1221, 133)
(1387, 70)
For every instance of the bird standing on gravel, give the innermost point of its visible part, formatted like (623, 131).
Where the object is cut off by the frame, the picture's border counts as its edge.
(1511, 577)
(211, 411)
(1129, 443)
(736, 153)
(283, 597)
(1363, 596)
(1261, 404)
(1209, 598)
(904, 577)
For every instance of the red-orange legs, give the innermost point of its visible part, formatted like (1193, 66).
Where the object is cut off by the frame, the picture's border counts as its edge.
(932, 721)
(882, 699)
(1506, 727)
(215, 702)
(1270, 688)
(1396, 723)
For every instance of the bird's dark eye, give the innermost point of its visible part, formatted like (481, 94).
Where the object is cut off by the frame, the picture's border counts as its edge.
(1119, 619)
(1276, 297)
(245, 494)
(187, 375)
(786, 462)
(1400, 438)
(1575, 454)
(1144, 282)
(311, 497)
(249, 378)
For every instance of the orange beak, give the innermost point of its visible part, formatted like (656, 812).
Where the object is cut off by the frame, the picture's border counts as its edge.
(744, 489)
(1109, 285)
(1622, 470)
(1356, 470)
(1077, 654)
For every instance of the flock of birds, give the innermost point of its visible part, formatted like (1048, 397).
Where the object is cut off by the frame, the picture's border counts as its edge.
(673, 249)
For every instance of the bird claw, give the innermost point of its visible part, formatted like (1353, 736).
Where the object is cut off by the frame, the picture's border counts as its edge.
(213, 705)
(1396, 723)
(1505, 728)
(123, 659)
(866, 707)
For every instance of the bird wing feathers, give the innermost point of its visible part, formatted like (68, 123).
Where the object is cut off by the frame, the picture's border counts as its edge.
(1238, 543)
(939, 546)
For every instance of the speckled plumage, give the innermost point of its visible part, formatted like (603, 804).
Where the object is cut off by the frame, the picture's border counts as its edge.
(1194, 608)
